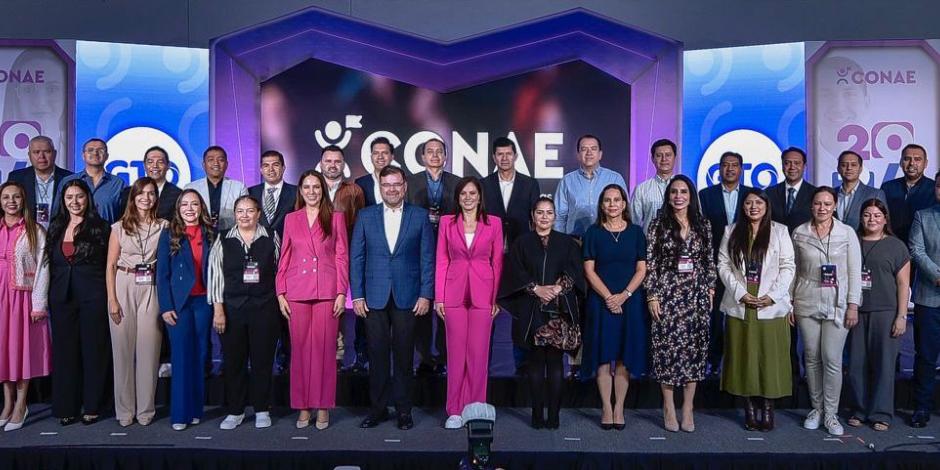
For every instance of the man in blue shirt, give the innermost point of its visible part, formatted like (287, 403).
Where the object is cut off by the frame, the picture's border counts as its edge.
(577, 193)
(909, 193)
(105, 187)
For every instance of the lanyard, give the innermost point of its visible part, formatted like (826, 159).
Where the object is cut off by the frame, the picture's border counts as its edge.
(141, 242)
(435, 195)
(828, 239)
(865, 255)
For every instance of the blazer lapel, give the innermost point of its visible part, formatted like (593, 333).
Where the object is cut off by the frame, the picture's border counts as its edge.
(284, 205)
(382, 229)
(406, 214)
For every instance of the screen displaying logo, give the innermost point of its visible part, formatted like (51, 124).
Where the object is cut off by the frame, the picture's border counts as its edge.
(316, 103)
(135, 97)
(749, 100)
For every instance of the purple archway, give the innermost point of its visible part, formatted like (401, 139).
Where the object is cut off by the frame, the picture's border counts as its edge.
(240, 61)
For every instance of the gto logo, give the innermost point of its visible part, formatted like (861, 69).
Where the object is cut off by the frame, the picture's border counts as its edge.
(126, 150)
(761, 159)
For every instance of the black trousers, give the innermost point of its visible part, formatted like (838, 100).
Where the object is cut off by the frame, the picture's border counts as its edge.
(81, 357)
(251, 333)
(424, 336)
(546, 375)
(391, 330)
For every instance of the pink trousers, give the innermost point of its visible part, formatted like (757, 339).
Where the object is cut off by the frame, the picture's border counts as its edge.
(468, 355)
(313, 332)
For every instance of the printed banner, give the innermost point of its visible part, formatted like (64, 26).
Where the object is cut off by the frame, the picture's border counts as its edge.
(873, 98)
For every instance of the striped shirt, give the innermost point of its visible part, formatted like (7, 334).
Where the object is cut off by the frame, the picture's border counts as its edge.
(216, 277)
(647, 200)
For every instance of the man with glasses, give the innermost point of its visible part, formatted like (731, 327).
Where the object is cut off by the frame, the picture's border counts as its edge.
(105, 187)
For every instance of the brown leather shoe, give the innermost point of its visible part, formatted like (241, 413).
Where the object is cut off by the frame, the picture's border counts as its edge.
(768, 423)
(750, 415)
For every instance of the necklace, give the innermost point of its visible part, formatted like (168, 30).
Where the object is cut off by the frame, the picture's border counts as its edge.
(610, 230)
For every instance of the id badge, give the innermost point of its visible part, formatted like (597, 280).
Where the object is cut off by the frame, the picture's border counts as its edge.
(252, 274)
(753, 273)
(214, 219)
(685, 265)
(434, 215)
(827, 276)
(42, 213)
(866, 278)
(143, 274)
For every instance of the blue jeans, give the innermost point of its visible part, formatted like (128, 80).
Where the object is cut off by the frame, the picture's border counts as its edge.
(189, 346)
(926, 349)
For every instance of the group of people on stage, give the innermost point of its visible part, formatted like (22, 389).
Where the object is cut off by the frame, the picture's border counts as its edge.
(670, 283)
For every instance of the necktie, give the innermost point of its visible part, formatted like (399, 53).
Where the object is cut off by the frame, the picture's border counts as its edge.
(269, 204)
(791, 198)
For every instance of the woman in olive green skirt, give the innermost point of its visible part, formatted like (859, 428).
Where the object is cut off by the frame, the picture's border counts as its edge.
(756, 265)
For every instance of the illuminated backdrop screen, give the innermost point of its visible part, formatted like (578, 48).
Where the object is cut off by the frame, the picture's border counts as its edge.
(317, 103)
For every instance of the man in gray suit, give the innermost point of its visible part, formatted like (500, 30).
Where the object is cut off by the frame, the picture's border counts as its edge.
(925, 250)
(853, 193)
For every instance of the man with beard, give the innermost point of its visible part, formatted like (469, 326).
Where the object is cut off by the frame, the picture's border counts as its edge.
(909, 193)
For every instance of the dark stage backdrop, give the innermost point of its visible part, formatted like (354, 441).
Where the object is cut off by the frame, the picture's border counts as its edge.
(317, 103)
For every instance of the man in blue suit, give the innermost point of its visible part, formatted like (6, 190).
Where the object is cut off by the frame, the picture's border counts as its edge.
(925, 250)
(720, 205)
(852, 192)
(910, 193)
(391, 274)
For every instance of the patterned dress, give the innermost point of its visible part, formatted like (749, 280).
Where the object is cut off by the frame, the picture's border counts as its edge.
(679, 340)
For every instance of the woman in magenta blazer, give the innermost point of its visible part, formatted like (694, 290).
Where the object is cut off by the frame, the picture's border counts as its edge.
(469, 261)
(312, 279)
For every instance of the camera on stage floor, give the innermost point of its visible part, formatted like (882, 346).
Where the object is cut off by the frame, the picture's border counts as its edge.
(479, 419)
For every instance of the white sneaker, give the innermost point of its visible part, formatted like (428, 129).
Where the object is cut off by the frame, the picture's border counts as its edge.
(178, 426)
(231, 422)
(833, 426)
(812, 420)
(262, 419)
(166, 370)
(454, 422)
(194, 422)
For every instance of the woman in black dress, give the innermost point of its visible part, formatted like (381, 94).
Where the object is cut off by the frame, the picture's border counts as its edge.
(540, 287)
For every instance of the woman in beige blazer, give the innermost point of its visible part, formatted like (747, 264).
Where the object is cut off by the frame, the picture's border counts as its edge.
(756, 265)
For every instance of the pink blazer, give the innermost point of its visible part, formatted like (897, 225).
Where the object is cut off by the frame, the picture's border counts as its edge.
(311, 267)
(479, 265)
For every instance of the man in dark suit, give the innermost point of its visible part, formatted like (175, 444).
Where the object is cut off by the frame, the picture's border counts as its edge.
(157, 163)
(433, 189)
(720, 205)
(909, 193)
(382, 154)
(510, 196)
(852, 192)
(277, 197)
(41, 179)
(790, 204)
(790, 200)
(392, 282)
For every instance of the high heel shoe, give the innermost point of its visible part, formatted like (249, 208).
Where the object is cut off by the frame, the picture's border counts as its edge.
(750, 415)
(768, 423)
(11, 426)
(670, 426)
(321, 425)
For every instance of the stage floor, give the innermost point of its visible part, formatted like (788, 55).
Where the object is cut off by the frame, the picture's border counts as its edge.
(719, 439)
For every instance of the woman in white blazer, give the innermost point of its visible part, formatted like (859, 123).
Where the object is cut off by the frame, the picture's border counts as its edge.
(826, 293)
(756, 265)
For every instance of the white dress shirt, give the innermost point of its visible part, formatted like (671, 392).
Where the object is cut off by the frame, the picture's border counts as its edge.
(392, 221)
(505, 189)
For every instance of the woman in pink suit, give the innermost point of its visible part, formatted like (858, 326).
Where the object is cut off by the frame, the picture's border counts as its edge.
(469, 261)
(312, 279)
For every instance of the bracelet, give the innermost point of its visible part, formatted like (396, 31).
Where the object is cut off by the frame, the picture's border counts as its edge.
(651, 300)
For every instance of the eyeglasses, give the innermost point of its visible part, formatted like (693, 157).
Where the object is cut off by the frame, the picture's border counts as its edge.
(392, 185)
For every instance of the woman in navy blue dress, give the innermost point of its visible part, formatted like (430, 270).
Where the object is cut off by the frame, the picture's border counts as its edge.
(616, 330)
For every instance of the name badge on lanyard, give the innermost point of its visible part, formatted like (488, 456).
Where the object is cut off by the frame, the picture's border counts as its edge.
(252, 273)
(434, 215)
(685, 265)
(143, 274)
(753, 273)
(42, 213)
(828, 276)
(866, 278)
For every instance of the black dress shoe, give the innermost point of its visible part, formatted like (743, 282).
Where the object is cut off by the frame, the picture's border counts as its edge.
(373, 420)
(440, 370)
(88, 420)
(68, 421)
(920, 419)
(405, 421)
(620, 426)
